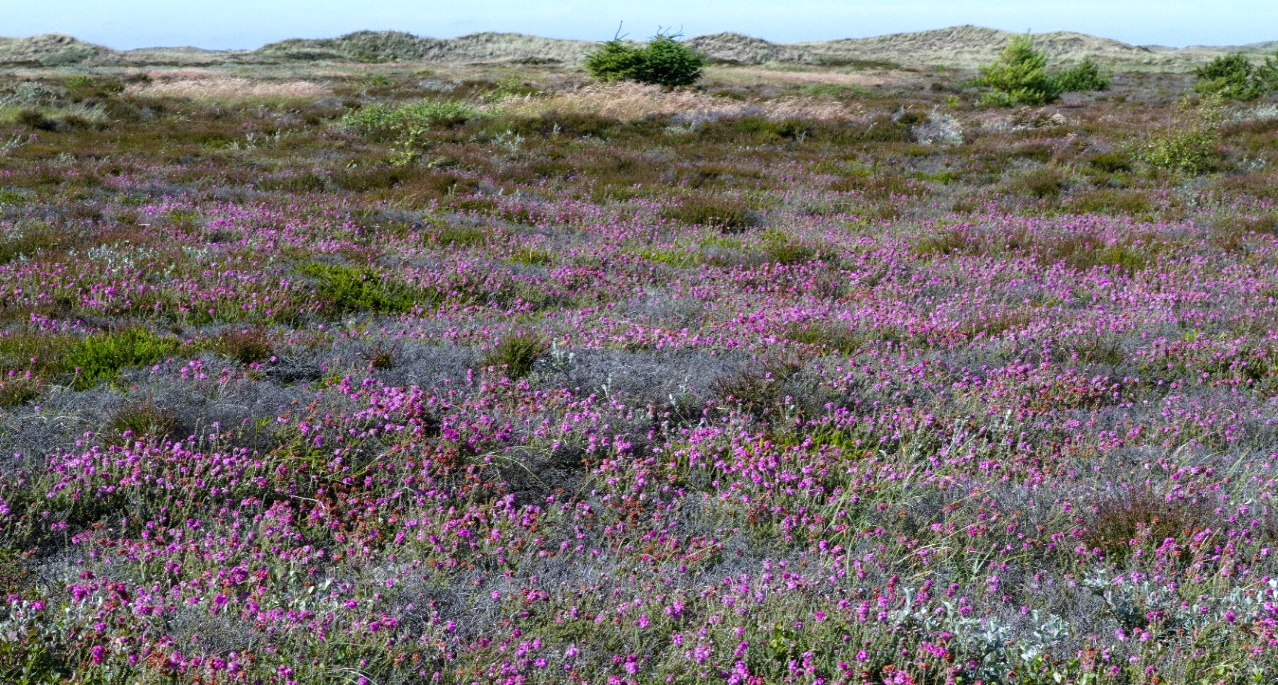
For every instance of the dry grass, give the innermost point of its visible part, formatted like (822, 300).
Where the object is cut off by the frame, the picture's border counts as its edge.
(630, 101)
(205, 86)
(763, 75)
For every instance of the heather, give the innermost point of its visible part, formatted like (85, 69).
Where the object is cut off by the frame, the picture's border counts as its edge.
(490, 374)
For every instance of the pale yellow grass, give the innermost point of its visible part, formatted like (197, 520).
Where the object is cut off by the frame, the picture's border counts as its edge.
(765, 75)
(205, 86)
(630, 101)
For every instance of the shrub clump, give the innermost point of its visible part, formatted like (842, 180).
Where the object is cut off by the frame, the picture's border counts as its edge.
(725, 213)
(517, 354)
(1191, 144)
(99, 357)
(663, 61)
(1084, 76)
(1235, 77)
(386, 122)
(246, 346)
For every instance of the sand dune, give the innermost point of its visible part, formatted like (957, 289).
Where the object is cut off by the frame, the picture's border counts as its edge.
(958, 47)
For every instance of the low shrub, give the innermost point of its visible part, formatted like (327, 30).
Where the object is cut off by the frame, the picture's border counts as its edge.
(386, 122)
(1132, 520)
(878, 186)
(830, 337)
(18, 389)
(363, 289)
(246, 346)
(1043, 182)
(144, 419)
(759, 389)
(1084, 76)
(1110, 162)
(1235, 77)
(30, 242)
(1111, 202)
(728, 214)
(517, 354)
(1191, 144)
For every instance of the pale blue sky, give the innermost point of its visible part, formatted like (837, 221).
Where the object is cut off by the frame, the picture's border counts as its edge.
(250, 23)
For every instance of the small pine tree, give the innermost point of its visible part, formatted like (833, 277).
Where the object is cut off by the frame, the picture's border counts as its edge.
(664, 61)
(667, 62)
(1019, 76)
(614, 61)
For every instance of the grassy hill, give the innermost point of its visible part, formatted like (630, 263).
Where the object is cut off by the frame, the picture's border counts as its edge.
(959, 47)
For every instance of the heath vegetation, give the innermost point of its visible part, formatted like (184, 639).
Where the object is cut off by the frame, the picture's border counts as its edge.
(794, 372)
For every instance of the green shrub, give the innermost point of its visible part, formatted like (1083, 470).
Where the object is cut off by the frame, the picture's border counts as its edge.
(664, 61)
(363, 289)
(1191, 144)
(386, 122)
(1043, 182)
(1085, 75)
(516, 354)
(1234, 77)
(1019, 76)
(100, 357)
(1110, 162)
(614, 61)
(728, 214)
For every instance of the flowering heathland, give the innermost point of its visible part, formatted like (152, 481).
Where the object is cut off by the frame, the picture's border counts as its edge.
(541, 396)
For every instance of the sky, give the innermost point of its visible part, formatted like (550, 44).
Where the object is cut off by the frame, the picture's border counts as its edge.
(221, 24)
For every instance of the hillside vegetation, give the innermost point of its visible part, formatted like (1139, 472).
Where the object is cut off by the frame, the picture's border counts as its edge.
(962, 47)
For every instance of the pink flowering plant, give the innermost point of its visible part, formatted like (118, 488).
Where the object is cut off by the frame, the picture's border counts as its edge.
(590, 398)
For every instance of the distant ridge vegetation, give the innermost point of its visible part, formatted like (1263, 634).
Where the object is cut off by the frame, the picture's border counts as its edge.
(958, 46)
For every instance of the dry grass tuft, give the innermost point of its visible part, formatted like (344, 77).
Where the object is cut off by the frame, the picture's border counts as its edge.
(631, 101)
(204, 87)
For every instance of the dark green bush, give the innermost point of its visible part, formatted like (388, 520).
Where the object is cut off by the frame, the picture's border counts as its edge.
(1234, 77)
(1019, 76)
(1084, 76)
(614, 61)
(1042, 182)
(1110, 162)
(664, 61)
